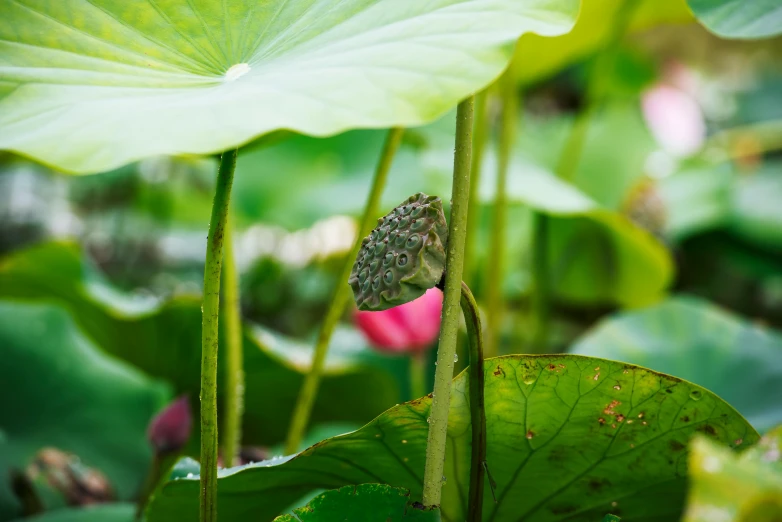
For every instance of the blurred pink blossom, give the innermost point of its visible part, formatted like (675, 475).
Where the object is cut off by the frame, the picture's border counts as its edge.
(408, 328)
(170, 429)
(675, 119)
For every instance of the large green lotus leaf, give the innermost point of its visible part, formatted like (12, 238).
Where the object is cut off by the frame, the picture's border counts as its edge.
(739, 18)
(120, 512)
(697, 341)
(365, 502)
(568, 437)
(537, 58)
(730, 488)
(88, 86)
(163, 339)
(61, 391)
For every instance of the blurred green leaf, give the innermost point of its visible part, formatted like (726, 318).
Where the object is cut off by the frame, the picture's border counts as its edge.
(696, 199)
(61, 391)
(739, 18)
(537, 57)
(163, 339)
(100, 513)
(756, 210)
(145, 80)
(708, 195)
(365, 502)
(598, 255)
(567, 437)
(697, 341)
(332, 177)
(731, 488)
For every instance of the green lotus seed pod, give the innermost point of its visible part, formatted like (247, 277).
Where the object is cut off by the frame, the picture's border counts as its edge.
(403, 256)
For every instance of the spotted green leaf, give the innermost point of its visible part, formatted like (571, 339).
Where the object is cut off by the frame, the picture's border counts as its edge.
(568, 437)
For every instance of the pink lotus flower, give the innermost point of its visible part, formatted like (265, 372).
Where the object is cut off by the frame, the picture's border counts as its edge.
(408, 328)
(675, 119)
(170, 429)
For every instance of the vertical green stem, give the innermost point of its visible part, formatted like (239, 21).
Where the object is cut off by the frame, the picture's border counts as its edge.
(454, 262)
(480, 133)
(234, 357)
(339, 298)
(209, 336)
(477, 405)
(418, 374)
(494, 270)
(541, 278)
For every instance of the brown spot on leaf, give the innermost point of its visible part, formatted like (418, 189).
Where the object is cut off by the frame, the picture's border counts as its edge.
(686, 418)
(609, 409)
(530, 434)
(499, 371)
(675, 445)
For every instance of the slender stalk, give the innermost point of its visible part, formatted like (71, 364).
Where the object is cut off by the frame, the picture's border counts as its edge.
(494, 269)
(454, 261)
(417, 375)
(480, 133)
(234, 357)
(209, 336)
(477, 405)
(541, 278)
(339, 298)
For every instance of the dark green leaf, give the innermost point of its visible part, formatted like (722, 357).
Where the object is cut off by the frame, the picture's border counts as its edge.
(61, 391)
(98, 513)
(568, 436)
(366, 502)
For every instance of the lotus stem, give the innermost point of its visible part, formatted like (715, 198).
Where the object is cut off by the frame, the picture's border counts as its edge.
(339, 298)
(234, 356)
(457, 230)
(209, 336)
(477, 405)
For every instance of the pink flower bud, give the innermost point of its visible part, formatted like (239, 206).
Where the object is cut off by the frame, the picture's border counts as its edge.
(675, 119)
(411, 327)
(170, 429)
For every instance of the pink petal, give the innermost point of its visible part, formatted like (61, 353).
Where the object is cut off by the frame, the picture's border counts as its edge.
(675, 120)
(409, 327)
